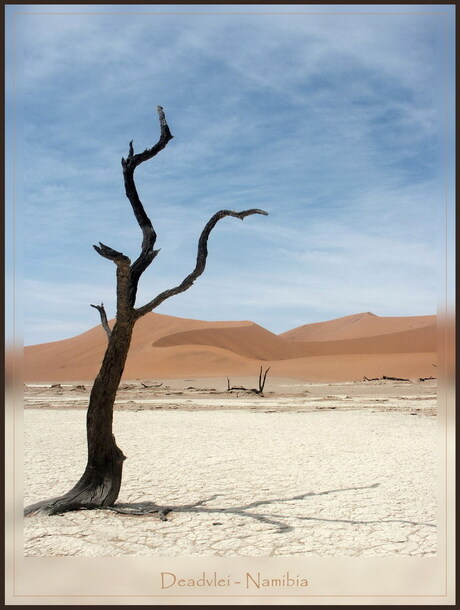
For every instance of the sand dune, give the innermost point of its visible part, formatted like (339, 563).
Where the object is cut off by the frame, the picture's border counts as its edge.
(249, 341)
(168, 347)
(354, 367)
(253, 341)
(357, 326)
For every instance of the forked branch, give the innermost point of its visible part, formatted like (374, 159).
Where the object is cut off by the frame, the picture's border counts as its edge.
(148, 233)
(200, 260)
(262, 380)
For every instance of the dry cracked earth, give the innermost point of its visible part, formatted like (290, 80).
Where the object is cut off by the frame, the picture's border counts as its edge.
(307, 470)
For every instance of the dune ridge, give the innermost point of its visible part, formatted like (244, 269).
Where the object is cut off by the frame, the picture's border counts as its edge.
(345, 349)
(356, 326)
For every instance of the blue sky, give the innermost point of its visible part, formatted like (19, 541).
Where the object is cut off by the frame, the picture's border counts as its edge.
(333, 123)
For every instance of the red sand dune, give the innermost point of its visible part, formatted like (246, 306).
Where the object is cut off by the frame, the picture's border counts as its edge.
(345, 349)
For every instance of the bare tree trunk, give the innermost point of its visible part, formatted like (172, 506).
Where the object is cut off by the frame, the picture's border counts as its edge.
(100, 483)
(262, 380)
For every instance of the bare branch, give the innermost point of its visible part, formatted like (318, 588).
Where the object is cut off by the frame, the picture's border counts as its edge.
(165, 136)
(262, 381)
(104, 322)
(111, 254)
(200, 260)
(148, 233)
(123, 277)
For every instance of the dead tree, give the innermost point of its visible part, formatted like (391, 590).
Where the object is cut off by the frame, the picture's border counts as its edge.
(100, 483)
(262, 379)
(259, 391)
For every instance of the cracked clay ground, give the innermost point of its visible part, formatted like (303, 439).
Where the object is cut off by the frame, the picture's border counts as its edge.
(242, 483)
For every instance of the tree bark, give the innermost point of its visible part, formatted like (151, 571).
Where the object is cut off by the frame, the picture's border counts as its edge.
(100, 483)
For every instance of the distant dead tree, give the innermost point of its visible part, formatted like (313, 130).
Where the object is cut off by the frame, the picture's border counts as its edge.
(259, 390)
(100, 483)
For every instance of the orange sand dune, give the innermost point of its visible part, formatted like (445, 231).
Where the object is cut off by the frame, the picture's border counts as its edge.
(413, 341)
(359, 325)
(168, 363)
(253, 341)
(169, 347)
(249, 341)
(87, 349)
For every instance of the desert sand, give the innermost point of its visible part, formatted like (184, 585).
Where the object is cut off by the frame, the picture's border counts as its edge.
(346, 349)
(310, 469)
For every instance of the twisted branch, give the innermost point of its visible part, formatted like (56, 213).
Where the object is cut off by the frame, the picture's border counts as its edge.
(104, 322)
(148, 253)
(148, 233)
(200, 260)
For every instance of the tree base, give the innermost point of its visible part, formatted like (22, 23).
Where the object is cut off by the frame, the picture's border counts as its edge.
(98, 488)
(60, 505)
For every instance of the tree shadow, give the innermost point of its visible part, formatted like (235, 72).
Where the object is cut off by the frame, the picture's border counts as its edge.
(146, 508)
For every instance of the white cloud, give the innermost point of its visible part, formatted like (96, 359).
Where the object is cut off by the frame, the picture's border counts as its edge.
(329, 122)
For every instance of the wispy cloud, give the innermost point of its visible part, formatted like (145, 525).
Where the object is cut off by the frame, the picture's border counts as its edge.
(329, 122)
